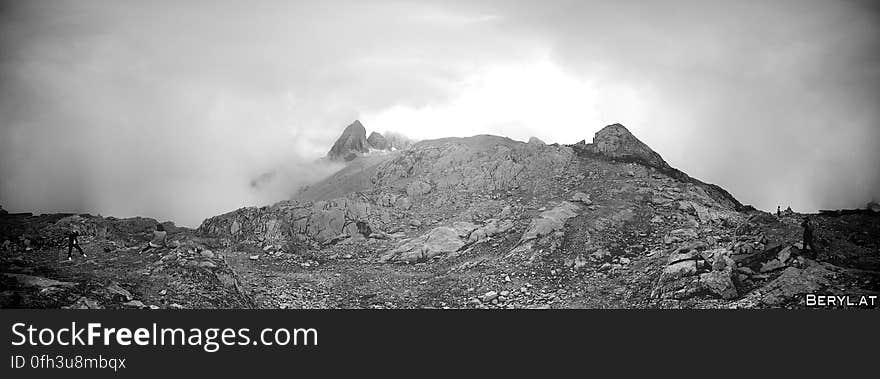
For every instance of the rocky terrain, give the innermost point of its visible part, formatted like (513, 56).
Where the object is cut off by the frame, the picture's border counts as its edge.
(477, 222)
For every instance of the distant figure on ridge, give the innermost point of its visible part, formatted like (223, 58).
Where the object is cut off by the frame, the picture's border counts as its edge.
(808, 236)
(778, 211)
(160, 239)
(72, 243)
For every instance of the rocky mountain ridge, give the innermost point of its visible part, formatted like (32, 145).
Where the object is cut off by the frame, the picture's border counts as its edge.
(489, 222)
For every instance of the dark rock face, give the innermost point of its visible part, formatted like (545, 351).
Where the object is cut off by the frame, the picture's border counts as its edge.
(615, 141)
(378, 142)
(352, 141)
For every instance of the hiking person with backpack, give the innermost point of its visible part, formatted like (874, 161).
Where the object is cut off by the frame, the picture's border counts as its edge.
(73, 243)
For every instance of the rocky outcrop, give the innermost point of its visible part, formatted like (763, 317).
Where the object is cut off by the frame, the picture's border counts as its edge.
(793, 283)
(550, 221)
(318, 221)
(378, 142)
(616, 142)
(441, 240)
(352, 142)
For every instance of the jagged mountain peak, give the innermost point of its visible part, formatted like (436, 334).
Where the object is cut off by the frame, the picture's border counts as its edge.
(353, 141)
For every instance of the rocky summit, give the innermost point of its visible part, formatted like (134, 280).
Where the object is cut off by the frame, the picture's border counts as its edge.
(616, 142)
(353, 141)
(476, 222)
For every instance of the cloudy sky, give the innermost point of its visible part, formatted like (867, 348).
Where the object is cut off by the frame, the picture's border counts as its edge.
(169, 109)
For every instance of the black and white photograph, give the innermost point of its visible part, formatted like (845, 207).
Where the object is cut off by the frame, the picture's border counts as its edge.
(490, 156)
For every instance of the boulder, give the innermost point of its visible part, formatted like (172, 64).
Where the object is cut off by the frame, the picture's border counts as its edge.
(582, 198)
(403, 203)
(679, 270)
(720, 283)
(489, 296)
(687, 252)
(491, 228)
(463, 229)
(441, 240)
(601, 256)
(37, 281)
(84, 303)
(579, 263)
(794, 282)
(417, 188)
(118, 293)
(550, 221)
(771, 265)
(134, 304)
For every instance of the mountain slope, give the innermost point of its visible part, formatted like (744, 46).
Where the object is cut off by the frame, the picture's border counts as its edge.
(488, 222)
(609, 224)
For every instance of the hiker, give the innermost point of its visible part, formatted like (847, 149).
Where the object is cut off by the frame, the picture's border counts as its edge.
(159, 239)
(808, 235)
(778, 211)
(73, 243)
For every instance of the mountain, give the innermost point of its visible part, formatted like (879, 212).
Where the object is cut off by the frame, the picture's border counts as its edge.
(352, 142)
(490, 222)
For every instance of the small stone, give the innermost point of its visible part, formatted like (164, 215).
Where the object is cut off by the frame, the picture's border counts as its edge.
(582, 198)
(772, 265)
(601, 256)
(785, 254)
(134, 304)
(489, 296)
